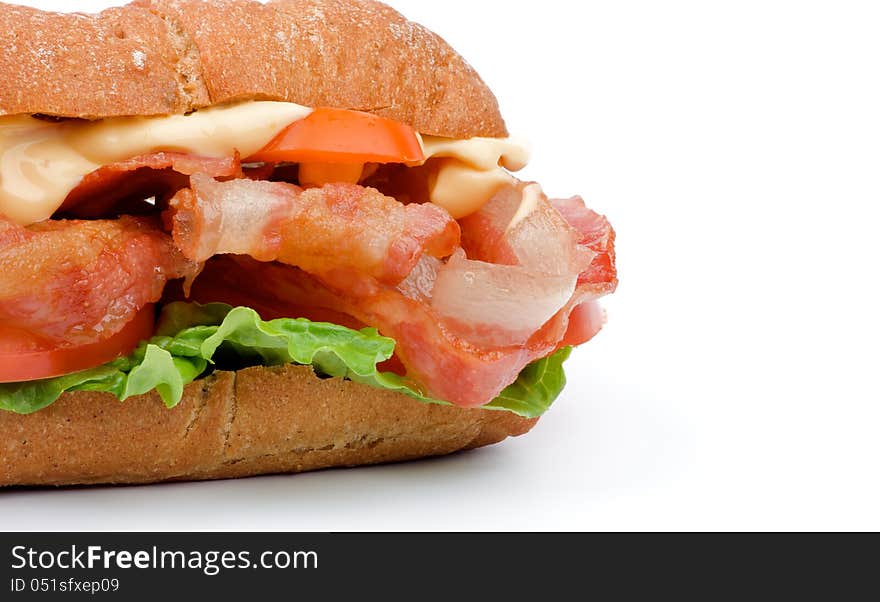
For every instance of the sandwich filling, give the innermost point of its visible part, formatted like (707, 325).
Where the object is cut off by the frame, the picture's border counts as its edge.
(143, 253)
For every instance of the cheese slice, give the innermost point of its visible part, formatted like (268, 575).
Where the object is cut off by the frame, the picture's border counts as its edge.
(466, 174)
(482, 153)
(42, 161)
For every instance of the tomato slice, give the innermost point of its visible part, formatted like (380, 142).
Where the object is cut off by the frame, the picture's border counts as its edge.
(341, 136)
(25, 357)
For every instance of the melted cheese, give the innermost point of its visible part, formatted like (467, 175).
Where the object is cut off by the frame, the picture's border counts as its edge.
(37, 170)
(41, 162)
(485, 154)
(467, 173)
(461, 189)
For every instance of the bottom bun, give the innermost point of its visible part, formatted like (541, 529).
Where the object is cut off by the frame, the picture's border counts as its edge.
(236, 424)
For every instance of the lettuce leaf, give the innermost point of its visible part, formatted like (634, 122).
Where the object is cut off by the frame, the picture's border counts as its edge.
(192, 340)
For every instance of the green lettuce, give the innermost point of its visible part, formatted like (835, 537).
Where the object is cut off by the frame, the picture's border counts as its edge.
(192, 340)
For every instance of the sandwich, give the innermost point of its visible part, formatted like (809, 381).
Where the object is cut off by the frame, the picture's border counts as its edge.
(240, 238)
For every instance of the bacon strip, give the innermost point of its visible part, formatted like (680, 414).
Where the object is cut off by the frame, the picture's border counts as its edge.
(522, 268)
(75, 283)
(342, 232)
(519, 226)
(158, 174)
(441, 363)
(465, 328)
(439, 354)
(596, 236)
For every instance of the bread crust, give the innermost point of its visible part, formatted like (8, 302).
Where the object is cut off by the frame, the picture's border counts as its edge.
(158, 57)
(236, 424)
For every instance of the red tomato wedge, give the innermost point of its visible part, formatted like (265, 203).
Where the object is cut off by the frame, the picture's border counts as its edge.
(341, 136)
(24, 357)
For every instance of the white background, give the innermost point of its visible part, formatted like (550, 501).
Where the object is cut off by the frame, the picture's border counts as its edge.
(735, 147)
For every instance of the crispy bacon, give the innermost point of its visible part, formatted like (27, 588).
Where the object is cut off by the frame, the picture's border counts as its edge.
(519, 226)
(582, 318)
(438, 358)
(595, 236)
(74, 283)
(522, 268)
(584, 322)
(465, 328)
(498, 305)
(341, 232)
(124, 184)
(443, 364)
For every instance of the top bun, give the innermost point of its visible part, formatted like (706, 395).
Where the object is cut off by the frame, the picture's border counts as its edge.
(161, 57)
